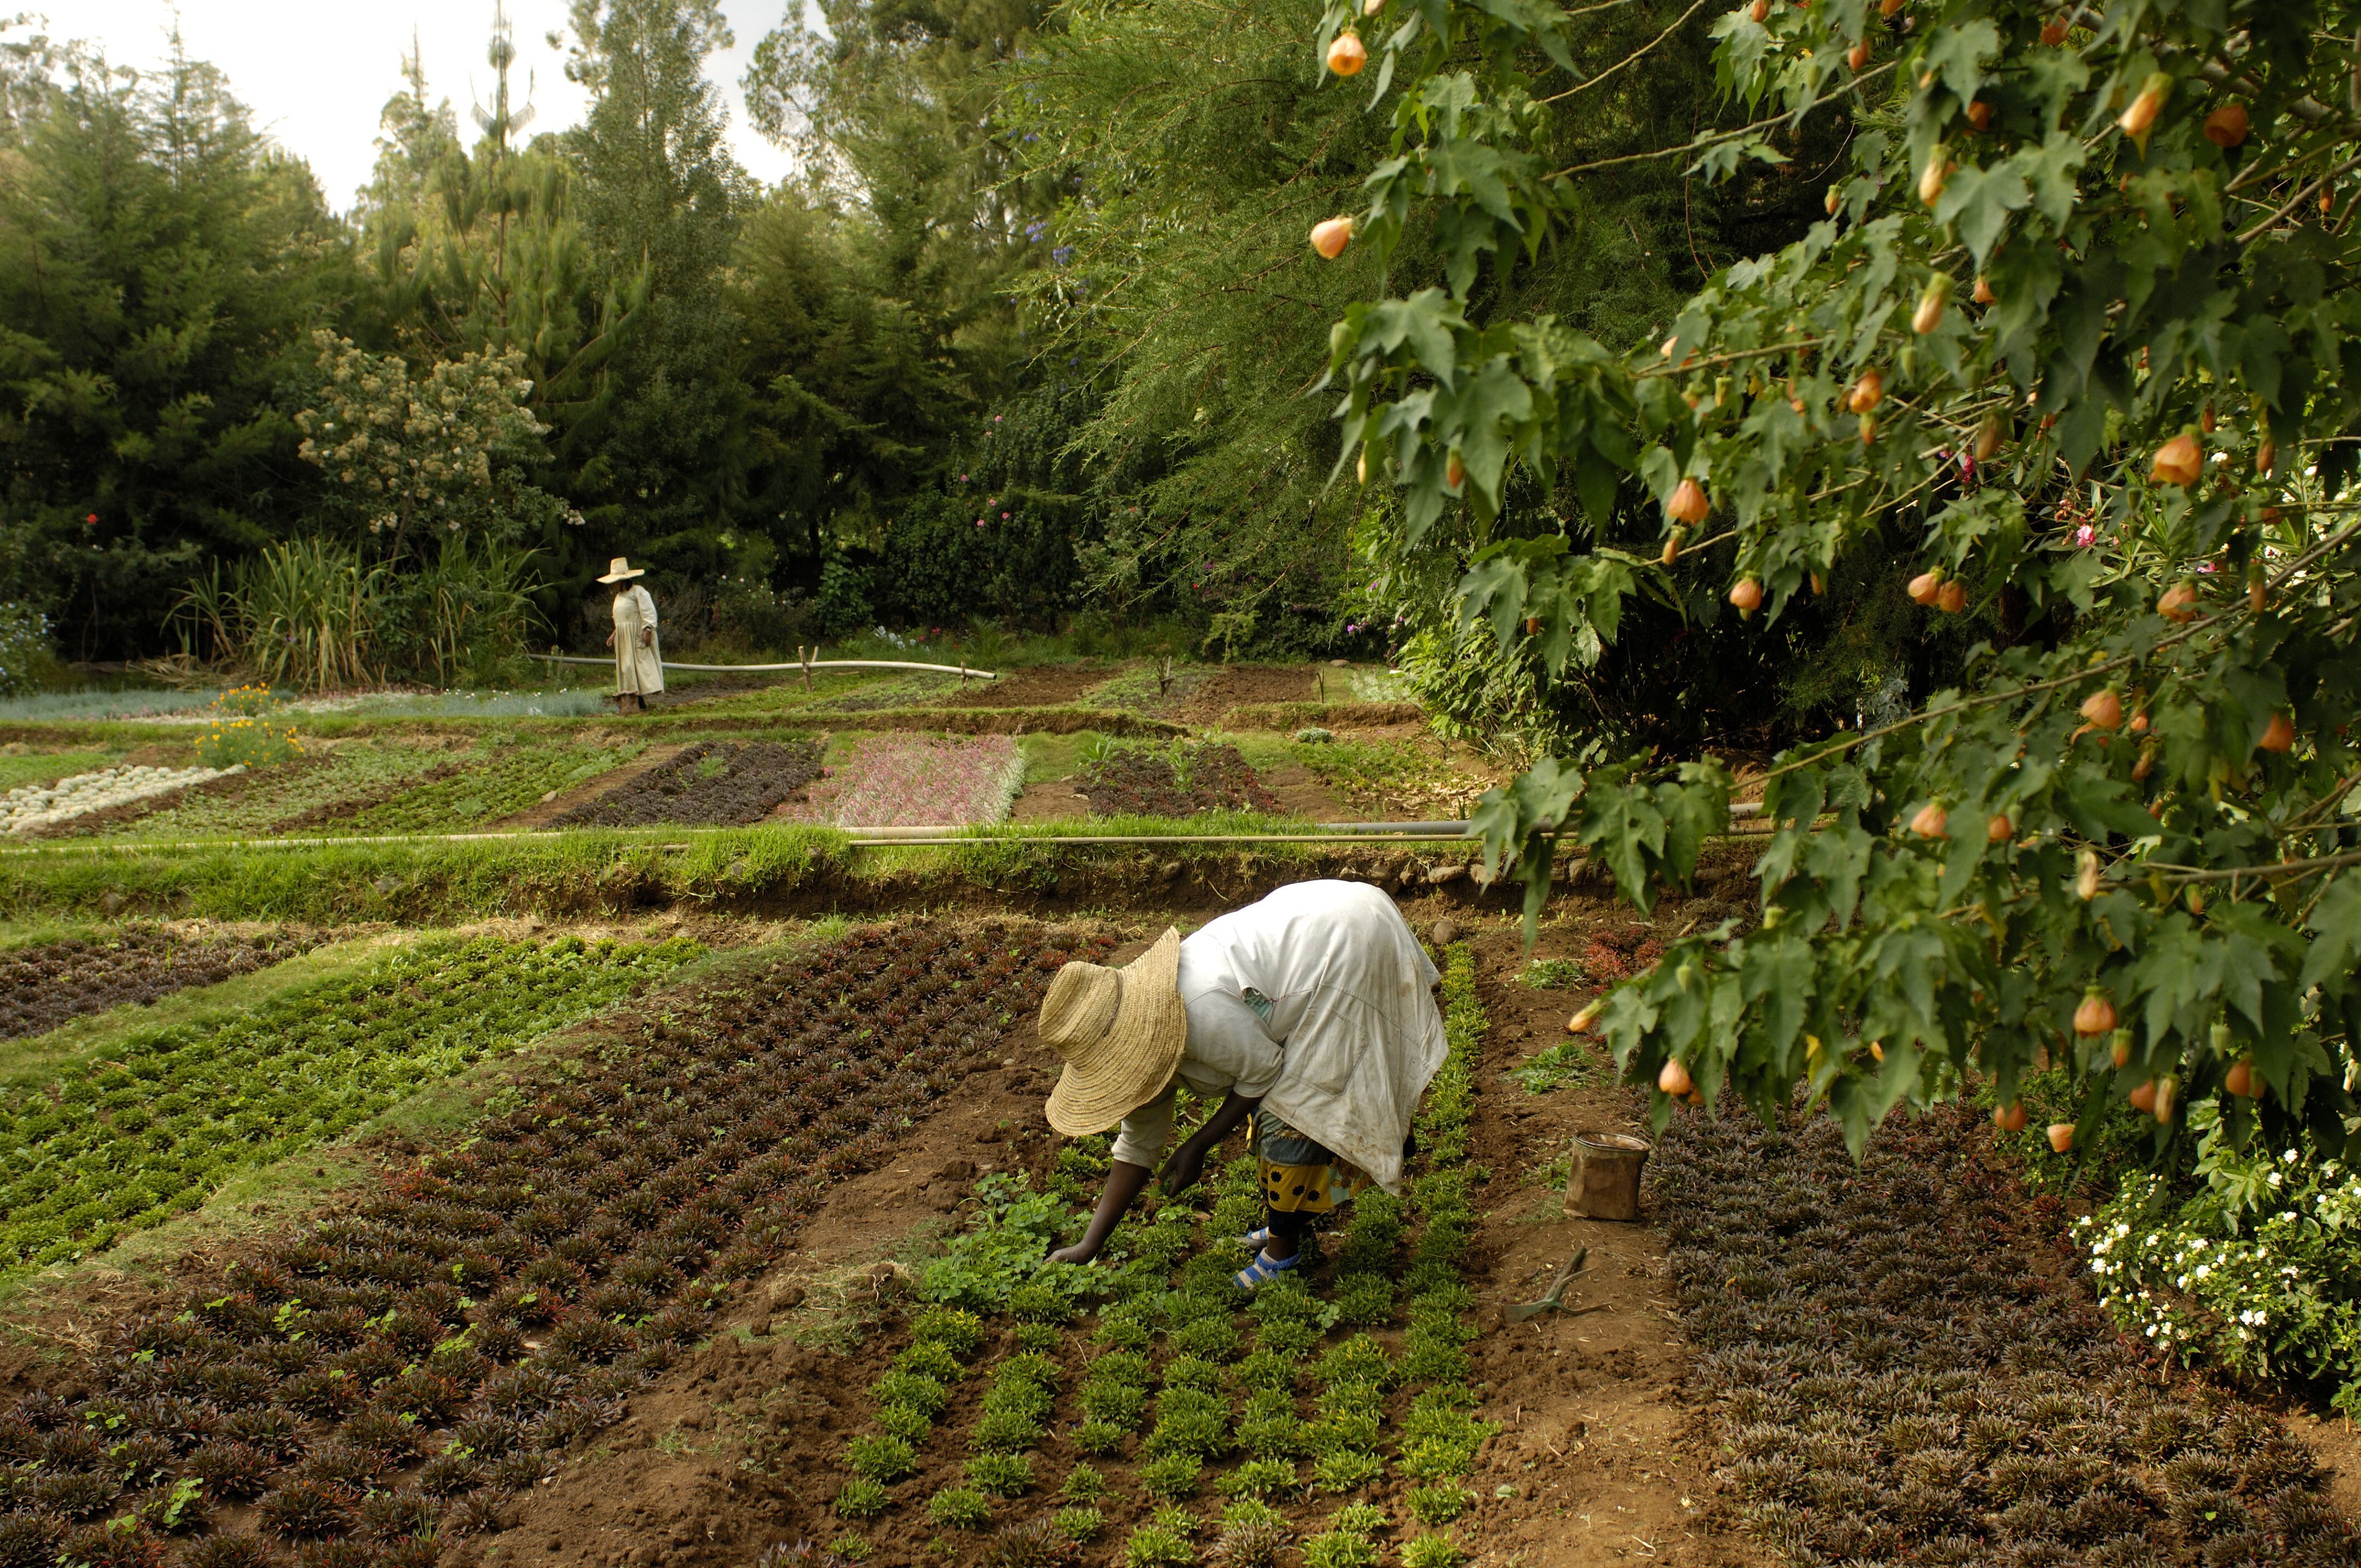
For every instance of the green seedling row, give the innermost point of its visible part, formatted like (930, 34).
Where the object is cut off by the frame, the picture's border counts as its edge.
(125, 1144)
(488, 786)
(1177, 1401)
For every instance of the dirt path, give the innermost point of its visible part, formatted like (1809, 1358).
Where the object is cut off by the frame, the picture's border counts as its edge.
(1595, 1442)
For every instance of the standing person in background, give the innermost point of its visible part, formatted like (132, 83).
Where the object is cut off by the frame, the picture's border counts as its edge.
(1310, 1015)
(639, 657)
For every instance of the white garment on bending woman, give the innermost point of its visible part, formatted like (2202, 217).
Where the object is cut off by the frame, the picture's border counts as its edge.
(1352, 1037)
(637, 669)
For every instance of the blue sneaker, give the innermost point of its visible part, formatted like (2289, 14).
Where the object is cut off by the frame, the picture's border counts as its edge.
(1264, 1268)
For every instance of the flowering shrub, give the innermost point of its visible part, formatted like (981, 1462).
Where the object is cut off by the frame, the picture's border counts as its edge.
(2260, 1273)
(24, 640)
(247, 743)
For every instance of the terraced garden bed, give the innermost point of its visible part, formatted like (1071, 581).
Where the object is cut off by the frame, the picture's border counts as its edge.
(717, 784)
(1179, 779)
(1901, 1369)
(893, 781)
(125, 1144)
(260, 800)
(48, 984)
(1141, 1410)
(473, 792)
(377, 1386)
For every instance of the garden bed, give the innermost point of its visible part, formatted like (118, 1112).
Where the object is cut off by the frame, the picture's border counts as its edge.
(395, 1377)
(1179, 779)
(898, 781)
(1901, 1367)
(720, 784)
(48, 984)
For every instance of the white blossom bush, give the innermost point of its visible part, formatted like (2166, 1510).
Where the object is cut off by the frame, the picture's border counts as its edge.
(42, 805)
(2259, 1273)
(24, 640)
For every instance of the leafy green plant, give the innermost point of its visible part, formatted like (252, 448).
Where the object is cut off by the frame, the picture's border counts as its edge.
(880, 1459)
(1433, 1551)
(919, 1392)
(1083, 1485)
(1171, 1474)
(960, 1507)
(1037, 1303)
(905, 1421)
(1266, 1369)
(1552, 974)
(1099, 1439)
(862, 1498)
(1154, 1546)
(1078, 1524)
(1346, 1469)
(1038, 1339)
(1191, 1372)
(1209, 1338)
(1260, 1477)
(929, 1358)
(1002, 1474)
(960, 1332)
(1438, 1505)
(1366, 1301)
(1358, 1360)
(1339, 1549)
(1192, 1421)
(981, 1268)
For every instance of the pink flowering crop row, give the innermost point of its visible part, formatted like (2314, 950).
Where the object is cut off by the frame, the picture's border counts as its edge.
(908, 780)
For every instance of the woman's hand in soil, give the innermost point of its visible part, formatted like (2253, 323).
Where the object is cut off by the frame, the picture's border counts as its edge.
(1081, 1252)
(1188, 1161)
(1181, 1172)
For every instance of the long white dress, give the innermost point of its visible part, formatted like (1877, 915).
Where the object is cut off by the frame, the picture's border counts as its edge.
(637, 669)
(1314, 1000)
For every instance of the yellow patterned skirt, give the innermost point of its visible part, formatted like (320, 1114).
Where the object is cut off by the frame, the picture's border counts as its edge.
(1299, 1176)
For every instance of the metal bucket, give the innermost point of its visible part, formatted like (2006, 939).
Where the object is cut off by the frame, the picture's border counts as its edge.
(1606, 1182)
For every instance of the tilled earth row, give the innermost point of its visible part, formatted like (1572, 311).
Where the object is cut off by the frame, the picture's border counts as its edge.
(1898, 1373)
(713, 783)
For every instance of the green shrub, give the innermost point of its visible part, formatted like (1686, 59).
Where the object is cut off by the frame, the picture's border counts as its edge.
(960, 1507)
(1337, 1549)
(1083, 1485)
(1038, 1339)
(1214, 1339)
(1248, 1510)
(1124, 1329)
(1118, 1405)
(906, 1422)
(852, 1548)
(1080, 1525)
(1237, 1215)
(1005, 1431)
(1266, 1369)
(1039, 1304)
(1002, 1474)
(881, 1459)
(928, 1358)
(1029, 1366)
(24, 647)
(1288, 1337)
(1358, 1360)
(1451, 1297)
(1438, 1505)
(1433, 1551)
(1191, 1372)
(1426, 1359)
(955, 1329)
(921, 1393)
(1128, 1367)
(1365, 1300)
(1265, 1477)
(1099, 1439)
(1289, 1297)
(246, 743)
(1153, 1546)
(1364, 1519)
(1177, 1519)
(1172, 1475)
(1346, 1470)
(862, 1498)
(1189, 1420)
(1270, 1428)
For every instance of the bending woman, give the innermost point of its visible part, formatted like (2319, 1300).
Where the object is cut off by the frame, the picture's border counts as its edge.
(1310, 1015)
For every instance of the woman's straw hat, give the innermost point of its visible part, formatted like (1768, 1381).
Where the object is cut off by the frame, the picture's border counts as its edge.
(1121, 1032)
(620, 568)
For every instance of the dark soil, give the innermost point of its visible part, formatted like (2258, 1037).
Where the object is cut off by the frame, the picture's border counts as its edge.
(1144, 782)
(49, 984)
(1038, 685)
(1236, 685)
(400, 1374)
(717, 784)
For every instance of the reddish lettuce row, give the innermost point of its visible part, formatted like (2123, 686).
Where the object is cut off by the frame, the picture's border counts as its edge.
(48, 984)
(1889, 1383)
(394, 1373)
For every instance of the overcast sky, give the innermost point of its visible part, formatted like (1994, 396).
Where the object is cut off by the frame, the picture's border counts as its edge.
(316, 75)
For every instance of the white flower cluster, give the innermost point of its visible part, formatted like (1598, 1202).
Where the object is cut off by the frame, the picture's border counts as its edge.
(39, 806)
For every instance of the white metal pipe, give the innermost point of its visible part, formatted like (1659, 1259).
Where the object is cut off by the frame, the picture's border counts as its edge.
(770, 669)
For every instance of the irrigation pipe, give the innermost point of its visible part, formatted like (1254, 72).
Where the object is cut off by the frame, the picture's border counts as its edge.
(857, 838)
(806, 666)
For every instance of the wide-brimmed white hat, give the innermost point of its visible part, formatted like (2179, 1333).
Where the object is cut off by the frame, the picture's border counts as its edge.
(1121, 1032)
(618, 569)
